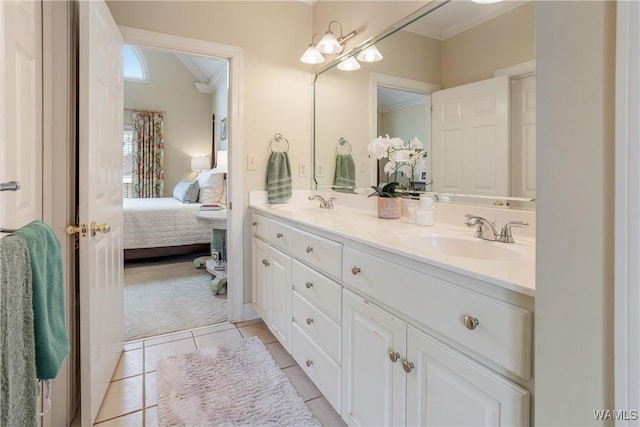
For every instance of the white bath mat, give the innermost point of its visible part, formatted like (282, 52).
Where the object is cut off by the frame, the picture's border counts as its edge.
(229, 385)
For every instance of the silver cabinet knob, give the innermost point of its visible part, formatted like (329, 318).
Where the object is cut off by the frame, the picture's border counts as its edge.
(355, 270)
(407, 366)
(309, 285)
(265, 263)
(309, 363)
(471, 322)
(309, 320)
(279, 235)
(394, 356)
(309, 249)
(254, 223)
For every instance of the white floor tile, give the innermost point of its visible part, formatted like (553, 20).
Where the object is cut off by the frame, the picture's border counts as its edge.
(210, 340)
(123, 396)
(154, 353)
(213, 328)
(167, 338)
(129, 365)
(150, 389)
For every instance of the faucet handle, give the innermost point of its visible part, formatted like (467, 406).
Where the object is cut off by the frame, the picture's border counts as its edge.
(329, 202)
(505, 233)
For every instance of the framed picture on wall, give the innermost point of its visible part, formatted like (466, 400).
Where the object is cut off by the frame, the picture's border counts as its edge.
(223, 129)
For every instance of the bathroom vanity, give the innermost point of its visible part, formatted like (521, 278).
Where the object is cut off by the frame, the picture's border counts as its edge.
(398, 324)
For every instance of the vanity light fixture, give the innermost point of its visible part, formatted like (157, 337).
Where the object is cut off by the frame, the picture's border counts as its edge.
(370, 54)
(199, 163)
(349, 64)
(486, 1)
(312, 55)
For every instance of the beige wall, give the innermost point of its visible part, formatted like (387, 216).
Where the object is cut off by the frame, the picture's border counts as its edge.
(187, 119)
(476, 53)
(221, 109)
(276, 86)
(574, 264)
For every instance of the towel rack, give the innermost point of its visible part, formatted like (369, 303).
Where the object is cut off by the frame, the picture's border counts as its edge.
(278, 138)
(7, 230)
(342, 142)
(10, 186)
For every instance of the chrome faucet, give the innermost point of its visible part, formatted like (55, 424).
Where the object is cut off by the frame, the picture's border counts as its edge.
(324, 203)
(505, 235)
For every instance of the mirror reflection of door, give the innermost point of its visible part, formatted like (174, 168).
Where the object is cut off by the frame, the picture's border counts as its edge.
(404, 114)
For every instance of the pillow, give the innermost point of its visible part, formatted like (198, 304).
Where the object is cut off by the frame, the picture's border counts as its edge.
(212, 188)
(187, 191)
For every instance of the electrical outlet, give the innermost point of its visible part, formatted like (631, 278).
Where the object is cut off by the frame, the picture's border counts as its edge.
(320, 170)
(302, 169)
(251, 162)
(362, 165)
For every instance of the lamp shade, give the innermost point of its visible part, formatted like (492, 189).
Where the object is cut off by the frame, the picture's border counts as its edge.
(312, 56)
(370, 54)
(199, 163)
(222, 162)
(349, 64)
(329, 44)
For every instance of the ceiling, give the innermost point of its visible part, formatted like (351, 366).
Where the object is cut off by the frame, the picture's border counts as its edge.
(458, 16)
(206, 71)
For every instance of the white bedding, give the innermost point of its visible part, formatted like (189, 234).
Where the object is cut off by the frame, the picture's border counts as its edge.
(160, 222)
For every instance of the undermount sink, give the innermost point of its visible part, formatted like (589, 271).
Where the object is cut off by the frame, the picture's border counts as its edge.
(465, 247)
(303, 209)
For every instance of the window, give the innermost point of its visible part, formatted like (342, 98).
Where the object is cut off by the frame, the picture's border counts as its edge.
(127, 160)
(134, 65)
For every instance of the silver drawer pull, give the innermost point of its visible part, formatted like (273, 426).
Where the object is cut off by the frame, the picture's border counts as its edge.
(355, 270)
(265, 263)
(279, 235)
(407, 366)
(309, 320)
(309, 249)
(254, 223)
(309, 363)
(309, 285)
(394, 356)
(471, 322)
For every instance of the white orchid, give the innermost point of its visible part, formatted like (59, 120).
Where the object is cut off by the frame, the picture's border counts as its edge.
(379, 147)
(402, 157)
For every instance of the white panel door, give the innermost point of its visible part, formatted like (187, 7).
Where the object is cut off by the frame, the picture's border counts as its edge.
(100, 202)
(21, 111)
(446, 388)
(280, 285)
(373, 386)
(471, 152)
(523, 137)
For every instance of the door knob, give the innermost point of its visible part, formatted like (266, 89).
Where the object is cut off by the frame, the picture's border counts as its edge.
(99, 228)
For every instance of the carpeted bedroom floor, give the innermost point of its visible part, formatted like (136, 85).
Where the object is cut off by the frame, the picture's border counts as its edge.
(168, 296)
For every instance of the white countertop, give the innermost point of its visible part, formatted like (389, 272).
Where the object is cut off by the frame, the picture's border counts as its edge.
(364, 226)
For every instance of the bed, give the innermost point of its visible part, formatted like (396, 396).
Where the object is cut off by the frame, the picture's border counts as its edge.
(161, 227)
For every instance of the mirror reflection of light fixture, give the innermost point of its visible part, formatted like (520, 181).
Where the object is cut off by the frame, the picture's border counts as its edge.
(199, 163)
(349, 64)
(370, 54)
(222, 162)
(328, 44)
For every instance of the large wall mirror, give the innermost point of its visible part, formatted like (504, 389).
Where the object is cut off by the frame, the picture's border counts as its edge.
(459, 77)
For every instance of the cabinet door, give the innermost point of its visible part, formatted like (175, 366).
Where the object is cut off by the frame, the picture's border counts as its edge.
(445, 388)
(373, 386)
(280, 283)
(260, 278)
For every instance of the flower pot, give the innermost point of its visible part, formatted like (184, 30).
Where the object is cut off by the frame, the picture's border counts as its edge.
(389, 207)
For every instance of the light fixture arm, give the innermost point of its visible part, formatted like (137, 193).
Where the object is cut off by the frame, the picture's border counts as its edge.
(342, 39)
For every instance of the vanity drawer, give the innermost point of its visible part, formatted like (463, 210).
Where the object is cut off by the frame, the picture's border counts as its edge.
(274, 232)
(503, 333)
(319, 367)
(322, 291)
(317, 251)
(317, 325)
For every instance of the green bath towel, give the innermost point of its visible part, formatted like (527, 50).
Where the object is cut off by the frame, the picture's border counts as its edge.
(278, 177)
(344, 179)
(51, 340)
(18, 392)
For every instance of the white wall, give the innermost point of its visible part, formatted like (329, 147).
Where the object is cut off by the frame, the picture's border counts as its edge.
(575, 187)
(187, 118)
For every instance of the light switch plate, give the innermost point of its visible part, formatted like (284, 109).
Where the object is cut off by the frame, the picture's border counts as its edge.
(320, 170)
(302, 169)
(251, 162)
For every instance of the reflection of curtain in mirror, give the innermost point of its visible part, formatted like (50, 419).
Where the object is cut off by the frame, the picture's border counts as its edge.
(148, 153)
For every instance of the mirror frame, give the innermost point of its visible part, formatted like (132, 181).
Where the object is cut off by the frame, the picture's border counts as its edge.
(398, 26)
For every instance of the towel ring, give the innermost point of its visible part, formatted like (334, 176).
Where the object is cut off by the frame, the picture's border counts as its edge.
(343, 141)
(278, 138)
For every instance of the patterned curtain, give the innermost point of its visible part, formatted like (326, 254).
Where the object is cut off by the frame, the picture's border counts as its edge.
(147, 176)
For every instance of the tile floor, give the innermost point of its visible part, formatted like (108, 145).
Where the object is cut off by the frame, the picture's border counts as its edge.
(131, 397)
